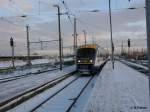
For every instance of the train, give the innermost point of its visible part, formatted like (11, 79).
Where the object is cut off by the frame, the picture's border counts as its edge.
(87, 58)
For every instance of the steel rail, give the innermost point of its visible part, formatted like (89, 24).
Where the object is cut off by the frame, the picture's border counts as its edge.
(8, 79)
(13, 102)
(34, 109)
(69, 108)
(137, 68)
(82, 90)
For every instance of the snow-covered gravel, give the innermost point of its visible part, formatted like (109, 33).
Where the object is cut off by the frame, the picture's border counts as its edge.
(61, 101)
(30, 104)
(81, 102)
(13, 88)
(135, 64)
(6, 64)
(25, 71)
(120, 90)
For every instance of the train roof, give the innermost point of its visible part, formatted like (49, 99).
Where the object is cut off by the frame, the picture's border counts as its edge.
(94, 46)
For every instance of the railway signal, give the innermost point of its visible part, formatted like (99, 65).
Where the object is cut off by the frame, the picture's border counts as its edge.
(12, 47)
(129, 45)
(11, 42)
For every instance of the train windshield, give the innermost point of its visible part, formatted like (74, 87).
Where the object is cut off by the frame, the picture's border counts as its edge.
(86, 53)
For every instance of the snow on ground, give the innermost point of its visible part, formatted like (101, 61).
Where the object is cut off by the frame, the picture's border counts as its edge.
(20, 72)
(30, 104)
(6, 64)
(81, 102)
(68, 59)
(135, 64)
(15, 87)
(63, 100)
(120, 90)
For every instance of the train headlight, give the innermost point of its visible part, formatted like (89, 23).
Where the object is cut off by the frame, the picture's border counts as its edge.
(91, 61)
(79, 61)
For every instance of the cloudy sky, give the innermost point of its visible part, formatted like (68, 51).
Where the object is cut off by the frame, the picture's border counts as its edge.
(41, 16)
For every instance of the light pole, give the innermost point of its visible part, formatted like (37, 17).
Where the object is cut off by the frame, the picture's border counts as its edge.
(60, 42)
(112, 45)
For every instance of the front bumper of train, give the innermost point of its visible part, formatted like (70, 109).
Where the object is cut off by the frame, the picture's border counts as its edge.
(85, 68)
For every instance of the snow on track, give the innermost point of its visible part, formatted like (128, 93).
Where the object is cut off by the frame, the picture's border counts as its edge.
(135, 64)
(81, 102)
(30, 104)
(120, 90)
(64, 99)
(16, 87)
(58, 103)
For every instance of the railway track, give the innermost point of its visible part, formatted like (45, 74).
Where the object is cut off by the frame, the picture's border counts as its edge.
(24, 76)
(11, 69)
(75, 100)
(138, 68)
(56, 96)
(52, 96)
(145, 64)
(13, 102)
(23, 100)
(64, 88)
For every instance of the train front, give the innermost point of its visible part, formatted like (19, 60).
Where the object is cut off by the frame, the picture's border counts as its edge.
(86, 59)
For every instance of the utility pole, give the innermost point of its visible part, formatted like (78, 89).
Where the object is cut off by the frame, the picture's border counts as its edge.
(112, 45)
(62, 50)
(84, 36)
(41, 45)
(148, 35)
(75, 38)
(93, 41)
(75, 33)
(60, 42)
(28, 47)
(122, 48)
(147, 3)
(12, 47)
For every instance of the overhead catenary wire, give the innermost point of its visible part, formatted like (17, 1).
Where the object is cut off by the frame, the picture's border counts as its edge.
(86, 23)
(10, 22)
(78, 11)
(89, 27)
(68, 11)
